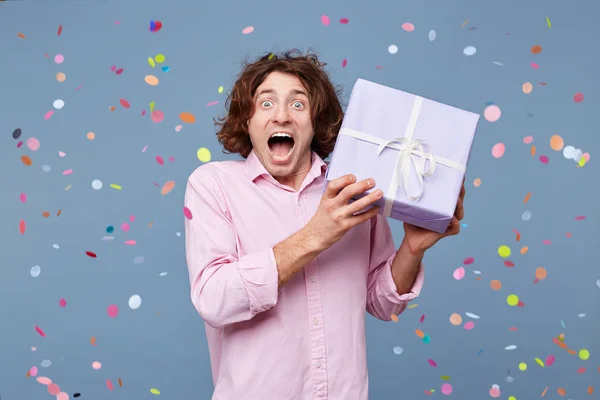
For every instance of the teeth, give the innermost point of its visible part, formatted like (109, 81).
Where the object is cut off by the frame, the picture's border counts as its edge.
(281, 134)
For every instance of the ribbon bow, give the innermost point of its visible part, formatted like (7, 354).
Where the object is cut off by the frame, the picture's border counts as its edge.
(409, 149)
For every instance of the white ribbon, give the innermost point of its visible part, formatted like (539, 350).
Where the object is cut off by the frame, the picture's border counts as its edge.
(409, 149)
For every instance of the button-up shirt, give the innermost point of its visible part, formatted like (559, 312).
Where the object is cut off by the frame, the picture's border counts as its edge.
(307, 340)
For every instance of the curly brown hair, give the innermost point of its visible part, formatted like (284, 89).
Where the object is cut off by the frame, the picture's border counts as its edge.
(324, 96)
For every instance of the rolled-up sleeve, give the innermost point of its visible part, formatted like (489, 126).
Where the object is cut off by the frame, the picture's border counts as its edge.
(225, 289)
(383, 300)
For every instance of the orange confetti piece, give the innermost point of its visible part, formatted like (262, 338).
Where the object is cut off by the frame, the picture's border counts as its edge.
(93, 340)
(591, 390)
(21, 35)
(187, 117)
(394, 317)
(28, 374)
(420, 333)
(562, 345)
(26, 160)
(112, 108)
(22, 226)
(524, 249)
(59, 212)
(465, 23)
(533, 150)
(561, 391)
(527, 197)
(572, 352)
(544, 392)
(536, 49)
(59, 30)
(541, 273)
(167, 187)
(518, 235)
(45, 214)
(120, 383)
(495, 284)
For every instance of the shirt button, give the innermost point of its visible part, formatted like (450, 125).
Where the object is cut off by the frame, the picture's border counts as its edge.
(318, 364)
(316, 321)
(312, 278)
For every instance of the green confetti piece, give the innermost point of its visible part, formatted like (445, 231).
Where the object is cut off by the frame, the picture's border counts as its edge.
(548, 22)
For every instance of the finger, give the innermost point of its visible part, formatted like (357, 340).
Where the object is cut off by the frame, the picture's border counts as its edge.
(355, 189)
(460, 210)
(364, 216)
(463, 192)
(362, 203)
(334, 186)
(454, 227)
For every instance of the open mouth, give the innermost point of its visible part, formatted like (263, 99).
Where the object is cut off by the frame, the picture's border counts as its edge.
(281, 146)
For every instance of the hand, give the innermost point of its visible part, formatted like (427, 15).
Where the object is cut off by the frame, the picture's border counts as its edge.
(418, 240)
(334, 216)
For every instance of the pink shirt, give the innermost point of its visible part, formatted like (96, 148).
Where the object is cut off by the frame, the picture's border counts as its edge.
(308, 340)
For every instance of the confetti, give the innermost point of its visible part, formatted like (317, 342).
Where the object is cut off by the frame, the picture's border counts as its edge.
(408, 27)
(203, 154)
(135, 302)
(151, 80)
(492, 113)
(578, 98)
(40, 331)
(498, 150)
(155, 26)
(469, 50)
(432, 35)
(247, 30)
(60, 28)
(536, 49)
(167, 187)
(393, 49)
(548, 22)
(187, 117)
(325, 20)
(112, 310)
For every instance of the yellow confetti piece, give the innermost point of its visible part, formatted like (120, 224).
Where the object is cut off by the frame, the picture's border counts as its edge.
(584, 354)
(537, 360)
(512, 300)
(504, 251)
(152, 104)
(512, 398)
(415, 305)
(115, 186)
(68, 187)
(445, 377)
(160, 58)
(203, 154)
(151, 62)
(155, 391)
(548, 22)
(220, 89)
(581, 162)
(522, 366)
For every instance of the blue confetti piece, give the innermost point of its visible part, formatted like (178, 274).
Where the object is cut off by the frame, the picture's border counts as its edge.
(563, 323)
(165, 68)
(480, 351)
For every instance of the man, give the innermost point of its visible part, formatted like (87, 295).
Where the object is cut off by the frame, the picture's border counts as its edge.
(280, 271)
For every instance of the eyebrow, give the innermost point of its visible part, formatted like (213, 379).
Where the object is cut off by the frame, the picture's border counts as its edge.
(272, 91)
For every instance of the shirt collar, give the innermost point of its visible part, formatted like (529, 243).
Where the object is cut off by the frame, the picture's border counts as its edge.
(254, 167)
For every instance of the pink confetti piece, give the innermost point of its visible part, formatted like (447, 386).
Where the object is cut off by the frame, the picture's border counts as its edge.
(40, 331)
(212, 103)
(78, 87)
(469, 325)
(544, 159)
(581, 370)
(422, 318)
(459, 273)
(62, 153)
(344, 63)
(62, 396)
(546, 241)
(160, 160)
(468, 260)
(247, 30)
(125, 227)
(188, 213)
(535, 65)
(23, 198)
(113, 68)
(344, 21)
(62, 303)
(130, 242)
(578, 98)
(178, 128)
(119, 71)
(33, 371)
(580, 218)
(145, 148)
(143, 112)
(44, 380)
(325, 20)
(49, 114)
(550, 360)
(109, 385)
(68, 172)
(53, 389)
(432, 363)
(171, 158)
(528, 139)
(112, 310)
(408, 27)
(446, 389)
(132, 218)
(157, 116)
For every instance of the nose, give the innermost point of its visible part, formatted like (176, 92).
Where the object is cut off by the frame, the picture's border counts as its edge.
(282, 116)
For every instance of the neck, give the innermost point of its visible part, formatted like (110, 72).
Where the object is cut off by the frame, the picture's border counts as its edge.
(297, 177)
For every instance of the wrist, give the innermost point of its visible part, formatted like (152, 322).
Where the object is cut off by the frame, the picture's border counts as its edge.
(407, 251)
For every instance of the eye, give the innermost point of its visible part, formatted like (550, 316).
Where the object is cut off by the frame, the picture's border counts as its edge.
(298, 104)
(266, 103)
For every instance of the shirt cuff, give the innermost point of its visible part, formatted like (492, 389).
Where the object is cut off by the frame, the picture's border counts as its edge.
(260, 277)
(390, 289)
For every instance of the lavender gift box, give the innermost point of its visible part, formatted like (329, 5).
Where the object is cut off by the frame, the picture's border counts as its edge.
(415, 148)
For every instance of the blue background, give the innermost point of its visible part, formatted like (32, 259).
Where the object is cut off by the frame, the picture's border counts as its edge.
(162, 343)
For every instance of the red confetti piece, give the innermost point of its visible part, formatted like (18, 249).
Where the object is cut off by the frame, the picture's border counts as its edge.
(422, 318)
(109, 385)
(578, 98)
(468, 260)
(520, 304)
(344, 21)
(509, 264)
(22, 226)
(580, 218)
(518, 235)
(581, 370)
(160, 160)
(59, 30)
(344, 63)
(90, 254)
(40, 331)
(124, 103)
(119, 71)
(432, 363)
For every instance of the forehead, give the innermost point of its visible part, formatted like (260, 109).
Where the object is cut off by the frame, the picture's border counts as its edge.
(277, 83)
